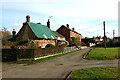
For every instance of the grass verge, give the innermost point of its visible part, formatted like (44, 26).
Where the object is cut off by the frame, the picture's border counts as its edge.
(102, 53)
(95, 73)
(42, 59)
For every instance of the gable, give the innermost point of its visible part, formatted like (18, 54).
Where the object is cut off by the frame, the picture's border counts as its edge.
(68, 29)
(25, 33)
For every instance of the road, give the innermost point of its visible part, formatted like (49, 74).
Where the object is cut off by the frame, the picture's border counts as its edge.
(54, 68)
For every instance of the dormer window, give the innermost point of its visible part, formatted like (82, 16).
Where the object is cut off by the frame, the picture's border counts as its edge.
(52, 36)
(45, 36)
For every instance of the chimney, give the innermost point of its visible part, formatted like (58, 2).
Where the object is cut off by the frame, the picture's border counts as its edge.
(48, 23)
(13, 32)
(67, 25)
(73, 29)
(28, 18)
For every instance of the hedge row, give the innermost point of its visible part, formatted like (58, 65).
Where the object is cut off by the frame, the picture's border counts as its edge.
(109, 45)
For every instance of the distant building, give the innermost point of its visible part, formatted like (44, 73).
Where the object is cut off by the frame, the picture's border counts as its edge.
(116, 39)
(68, 33)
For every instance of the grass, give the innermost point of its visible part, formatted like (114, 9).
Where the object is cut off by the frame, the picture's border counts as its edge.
(95, 73)
(102, 53)
(42, 59)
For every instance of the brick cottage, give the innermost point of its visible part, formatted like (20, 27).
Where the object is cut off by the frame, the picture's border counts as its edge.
(38, 33)
(68, 33)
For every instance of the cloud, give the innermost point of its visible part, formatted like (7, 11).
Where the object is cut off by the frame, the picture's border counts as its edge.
(70, 11)
(79, 20)
(90, 31)
(15, 26)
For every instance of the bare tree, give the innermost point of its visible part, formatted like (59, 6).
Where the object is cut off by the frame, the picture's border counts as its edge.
(5, 32)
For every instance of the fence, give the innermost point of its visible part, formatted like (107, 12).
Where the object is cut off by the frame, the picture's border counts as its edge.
(17, 54)
(30, 54)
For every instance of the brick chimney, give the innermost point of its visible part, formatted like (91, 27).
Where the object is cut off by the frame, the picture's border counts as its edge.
(28, 18)
(48, 23)
(67, 25)
(73, 29)
(13, 32)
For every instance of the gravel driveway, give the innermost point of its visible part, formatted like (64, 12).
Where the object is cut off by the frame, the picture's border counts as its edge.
(54, 68)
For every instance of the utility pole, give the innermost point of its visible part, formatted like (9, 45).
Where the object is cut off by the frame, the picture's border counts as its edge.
(104, 34)
(113, 34)
(113, 37)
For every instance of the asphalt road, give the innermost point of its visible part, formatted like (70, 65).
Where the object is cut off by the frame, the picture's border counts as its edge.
(54, 68)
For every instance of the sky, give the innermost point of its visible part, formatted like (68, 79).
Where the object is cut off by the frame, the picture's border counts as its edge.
(86, 16)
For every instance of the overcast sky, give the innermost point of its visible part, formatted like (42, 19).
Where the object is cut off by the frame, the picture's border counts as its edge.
(86, 16)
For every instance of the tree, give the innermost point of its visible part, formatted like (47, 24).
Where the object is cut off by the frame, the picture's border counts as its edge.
(86, 41)
(74, 40)
(5, 32)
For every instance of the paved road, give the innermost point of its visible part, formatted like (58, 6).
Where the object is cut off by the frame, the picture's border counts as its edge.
(54, 68)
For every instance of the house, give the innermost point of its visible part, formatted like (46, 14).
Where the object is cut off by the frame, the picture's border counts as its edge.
(61, 40)
(39, 34)
(98, 39)
(116, 39)
(68, 33)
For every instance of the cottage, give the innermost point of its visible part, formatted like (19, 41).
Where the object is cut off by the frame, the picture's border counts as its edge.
(61, 40)
(68, 33)
(40, 34)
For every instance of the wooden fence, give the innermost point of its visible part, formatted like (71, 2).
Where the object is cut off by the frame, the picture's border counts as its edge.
(30, 54)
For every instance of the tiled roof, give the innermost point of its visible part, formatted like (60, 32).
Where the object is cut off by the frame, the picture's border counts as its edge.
(41, 31)
(57, 34)
(70, 29)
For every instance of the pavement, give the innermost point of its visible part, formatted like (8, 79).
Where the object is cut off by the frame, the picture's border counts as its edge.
(57, 67)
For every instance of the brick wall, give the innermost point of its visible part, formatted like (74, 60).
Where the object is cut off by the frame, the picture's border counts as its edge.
(43, 42)
(78, 36)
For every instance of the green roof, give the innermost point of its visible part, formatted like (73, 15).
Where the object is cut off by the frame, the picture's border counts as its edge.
(8, 37)
(41, 31)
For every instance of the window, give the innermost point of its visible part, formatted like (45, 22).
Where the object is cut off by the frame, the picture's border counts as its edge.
(45, 36)
(52, 36)
(63, 38)
(58, 38)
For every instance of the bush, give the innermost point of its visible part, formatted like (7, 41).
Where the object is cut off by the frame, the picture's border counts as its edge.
(50, 45)
(74, 40)
(22, 42)
(72, 45)
(12, 47)
(84, 44)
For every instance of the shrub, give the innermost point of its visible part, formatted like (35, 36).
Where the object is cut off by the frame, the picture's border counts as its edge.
(108, 45)
(22, 42)
(50, 45)
(72, 45)
(12, 47)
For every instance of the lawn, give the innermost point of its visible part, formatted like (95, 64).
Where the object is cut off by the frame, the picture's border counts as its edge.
(102, 53)
(95, 73)
(42, 59)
